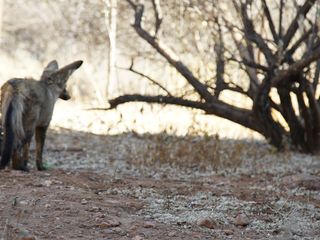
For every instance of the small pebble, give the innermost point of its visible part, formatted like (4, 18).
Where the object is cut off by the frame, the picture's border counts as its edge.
(242, 220)
(207, 222)
(109, 224)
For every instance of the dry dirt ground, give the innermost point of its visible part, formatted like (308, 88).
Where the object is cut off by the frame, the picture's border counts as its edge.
(132, 186)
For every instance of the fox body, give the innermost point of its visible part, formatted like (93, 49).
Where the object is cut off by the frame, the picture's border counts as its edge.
(27, 107)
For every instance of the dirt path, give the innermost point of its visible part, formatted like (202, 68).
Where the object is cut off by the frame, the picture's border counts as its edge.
(106, 187)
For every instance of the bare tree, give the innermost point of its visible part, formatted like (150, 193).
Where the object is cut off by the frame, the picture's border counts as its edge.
(277, 49)
(1, 12)
(111, 22)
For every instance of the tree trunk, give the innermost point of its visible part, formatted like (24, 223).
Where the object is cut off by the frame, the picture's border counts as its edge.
(111, 21)
(1, 13)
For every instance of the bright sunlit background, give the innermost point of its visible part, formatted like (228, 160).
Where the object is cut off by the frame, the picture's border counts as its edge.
(33, 33)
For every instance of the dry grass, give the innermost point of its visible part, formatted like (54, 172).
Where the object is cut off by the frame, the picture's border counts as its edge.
(199, 152)
(155, 136)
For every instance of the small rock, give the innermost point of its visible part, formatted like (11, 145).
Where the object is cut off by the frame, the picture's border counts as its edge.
(47, 205)
(228, 232)
(172, 234)
(100, 215)
(195, 235)
(23, 202)
(181, 222)
(47, 183)
(28, 238)
(207, 222)
(119, 231)
(149, 225)
(57, 182)
(109, 224)
(242, 220)
(137, 237)
(133, 228)
(307, 181)
(95, 209)
(84, 202)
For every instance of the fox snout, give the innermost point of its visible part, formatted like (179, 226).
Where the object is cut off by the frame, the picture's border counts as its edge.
(65, 95)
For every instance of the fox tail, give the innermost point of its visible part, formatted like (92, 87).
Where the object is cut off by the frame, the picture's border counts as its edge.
(13, 136)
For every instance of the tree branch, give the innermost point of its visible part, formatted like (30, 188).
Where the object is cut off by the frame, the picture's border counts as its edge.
(270, 21)
(280, 19)
(241, 116)
(253, 36)
(251, 64)
(316, 76)
(131, 69)
(295, 68)
(236, 88)
(157, 15)
(220, 64)
(302, 12)
(288, 55)
(169, 55)
(246, 54)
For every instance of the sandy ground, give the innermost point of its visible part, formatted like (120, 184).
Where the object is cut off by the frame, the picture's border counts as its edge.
(160, 186)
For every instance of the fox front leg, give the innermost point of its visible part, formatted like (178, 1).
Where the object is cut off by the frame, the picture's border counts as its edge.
(40, 139)
(25, 156)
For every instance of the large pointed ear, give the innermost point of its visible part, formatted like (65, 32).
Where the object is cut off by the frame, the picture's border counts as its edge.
(49, 69)
(64, 73)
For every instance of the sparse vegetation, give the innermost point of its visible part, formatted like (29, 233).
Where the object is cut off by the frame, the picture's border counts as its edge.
(145, 171)
(130, 184)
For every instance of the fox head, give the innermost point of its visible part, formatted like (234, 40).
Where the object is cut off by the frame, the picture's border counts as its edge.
(56, 77)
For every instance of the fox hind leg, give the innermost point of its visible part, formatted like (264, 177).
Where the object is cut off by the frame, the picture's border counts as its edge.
(40, 139)
(26, 145)
(20, 155)
(17, 161)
